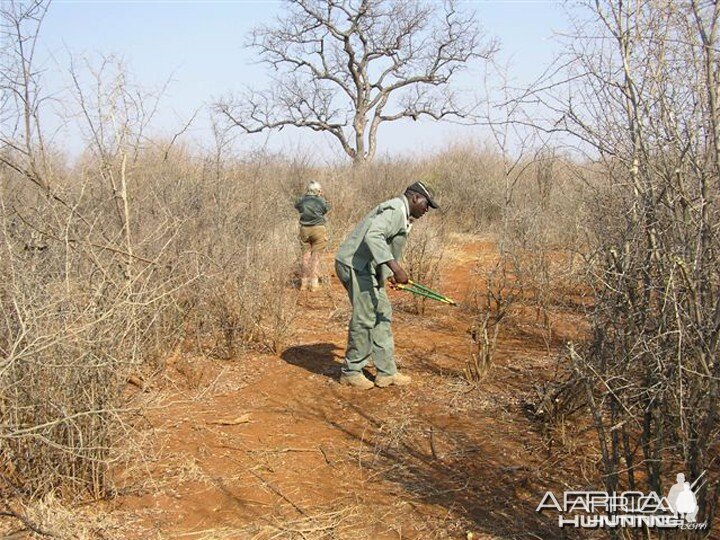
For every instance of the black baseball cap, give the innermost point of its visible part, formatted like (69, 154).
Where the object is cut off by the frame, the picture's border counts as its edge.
(419, 187)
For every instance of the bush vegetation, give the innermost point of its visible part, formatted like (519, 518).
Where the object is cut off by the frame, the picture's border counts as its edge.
(209, 269)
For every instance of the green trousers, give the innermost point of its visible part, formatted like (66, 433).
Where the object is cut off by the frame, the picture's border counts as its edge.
(369, 332)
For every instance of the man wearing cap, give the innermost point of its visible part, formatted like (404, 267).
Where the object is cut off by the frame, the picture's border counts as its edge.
(367, 258)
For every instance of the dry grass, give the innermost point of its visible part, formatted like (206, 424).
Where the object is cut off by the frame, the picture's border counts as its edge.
(332, 523)
(49, 517)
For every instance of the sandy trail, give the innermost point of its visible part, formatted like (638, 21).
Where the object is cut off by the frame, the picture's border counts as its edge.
(271, 446)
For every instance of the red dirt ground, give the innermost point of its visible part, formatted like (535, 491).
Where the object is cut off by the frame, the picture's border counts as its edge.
(271, 446)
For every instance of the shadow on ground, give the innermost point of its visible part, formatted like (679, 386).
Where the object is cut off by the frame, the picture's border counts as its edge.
(318, 358)
(433, 463)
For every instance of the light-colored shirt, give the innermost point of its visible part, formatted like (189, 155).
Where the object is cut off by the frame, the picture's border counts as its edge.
(379, 238)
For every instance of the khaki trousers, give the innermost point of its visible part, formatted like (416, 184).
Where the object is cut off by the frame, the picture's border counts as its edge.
(369, 332)
(313, 238)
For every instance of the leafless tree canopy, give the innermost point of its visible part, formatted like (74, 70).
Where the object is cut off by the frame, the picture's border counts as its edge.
(20, 97)
(344, 67)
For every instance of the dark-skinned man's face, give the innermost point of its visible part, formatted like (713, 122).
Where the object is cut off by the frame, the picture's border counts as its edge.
(418, 205)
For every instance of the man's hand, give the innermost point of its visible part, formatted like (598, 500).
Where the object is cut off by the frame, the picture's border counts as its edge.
(399, 275)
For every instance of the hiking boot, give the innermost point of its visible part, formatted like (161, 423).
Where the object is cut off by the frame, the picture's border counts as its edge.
(383, 381)
(304, 284)
(357, 380)
(314, 285)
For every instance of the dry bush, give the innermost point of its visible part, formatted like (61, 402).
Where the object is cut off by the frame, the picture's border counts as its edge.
(470, 185)
(491, 302)
(535, 204)
(540, 205)
(49, 517)
(542, 236)
(423, 256)
(649, 117)
(241, 226)
(83, 308)
(560, 406)
(76, 318)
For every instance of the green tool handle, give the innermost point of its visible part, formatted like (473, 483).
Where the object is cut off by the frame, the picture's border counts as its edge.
(422, 287)
(441, 297)
(424, 291)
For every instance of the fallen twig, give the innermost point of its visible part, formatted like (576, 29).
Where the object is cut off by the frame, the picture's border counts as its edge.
(244, 419)
(25, 521)
(278, 492)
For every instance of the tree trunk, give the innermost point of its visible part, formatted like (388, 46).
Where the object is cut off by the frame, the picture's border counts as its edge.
(359, 125)
(359, 160)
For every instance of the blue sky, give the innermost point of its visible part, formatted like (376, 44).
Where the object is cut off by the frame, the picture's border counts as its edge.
(200, 46)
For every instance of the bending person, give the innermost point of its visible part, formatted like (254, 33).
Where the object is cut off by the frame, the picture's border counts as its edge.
(365, 261)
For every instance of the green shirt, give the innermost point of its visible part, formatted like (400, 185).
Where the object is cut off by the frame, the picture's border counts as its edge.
(380, 237)
(312, 210)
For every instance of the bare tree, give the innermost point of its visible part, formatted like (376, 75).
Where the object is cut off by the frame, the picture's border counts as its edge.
(344, 67)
